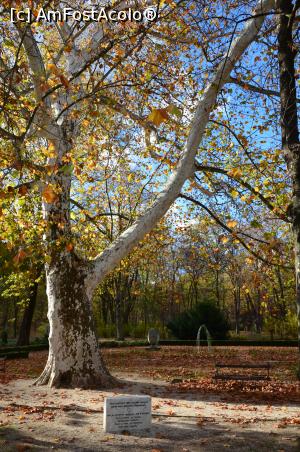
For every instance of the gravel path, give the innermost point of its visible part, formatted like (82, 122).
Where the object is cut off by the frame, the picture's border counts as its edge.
(43, 419)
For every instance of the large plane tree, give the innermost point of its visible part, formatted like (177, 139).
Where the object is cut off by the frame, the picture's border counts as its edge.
(73, 96)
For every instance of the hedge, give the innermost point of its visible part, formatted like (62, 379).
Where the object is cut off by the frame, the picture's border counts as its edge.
(28, 348)
(224, 343)
(14, 355)
(236, 342)
(115, 344)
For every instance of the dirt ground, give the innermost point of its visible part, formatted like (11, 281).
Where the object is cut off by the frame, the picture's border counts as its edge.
(44, 419)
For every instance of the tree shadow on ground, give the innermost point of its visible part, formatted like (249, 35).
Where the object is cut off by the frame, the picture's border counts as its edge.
(76, 419)
(166, 437)
(166, 390)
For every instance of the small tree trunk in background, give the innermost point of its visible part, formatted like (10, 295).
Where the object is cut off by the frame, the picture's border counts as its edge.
(24, 332)
(218, 287)
(16, 315)
(126, 313)
(4, 303)
(118, 283)
(289, 127)
(237, 304)
(282, 294)
(119, 319)
(104, 311)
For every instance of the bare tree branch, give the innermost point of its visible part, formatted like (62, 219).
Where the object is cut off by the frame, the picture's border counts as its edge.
(214, 169)
(254, 88)
(232, 231)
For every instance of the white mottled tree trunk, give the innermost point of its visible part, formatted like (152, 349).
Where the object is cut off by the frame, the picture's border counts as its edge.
(74, 357)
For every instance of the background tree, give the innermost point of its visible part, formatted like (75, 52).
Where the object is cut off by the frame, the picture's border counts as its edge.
(287, 51)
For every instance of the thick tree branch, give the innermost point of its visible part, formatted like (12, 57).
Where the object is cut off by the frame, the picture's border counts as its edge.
(110, 257)
(35, 58)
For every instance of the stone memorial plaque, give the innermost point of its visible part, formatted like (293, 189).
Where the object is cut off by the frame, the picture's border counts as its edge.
(126, 413)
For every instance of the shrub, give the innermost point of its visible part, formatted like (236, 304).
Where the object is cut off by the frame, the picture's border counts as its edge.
(43, 331)
(106, 330)
(186, 324)
(136, 331)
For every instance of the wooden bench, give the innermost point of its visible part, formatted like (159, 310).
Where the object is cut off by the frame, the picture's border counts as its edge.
(242, 376)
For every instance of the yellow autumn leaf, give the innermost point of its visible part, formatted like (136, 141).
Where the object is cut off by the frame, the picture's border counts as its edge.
(52, 68)
(94, 113)
(234, 193)
(47, 258)
(235, 172)
(158, 116)
(69, 247)
(231, 224)
(224, 239)
(19, 257)
(51, 152)
(173, 110)
(64, 81)
(49, 194)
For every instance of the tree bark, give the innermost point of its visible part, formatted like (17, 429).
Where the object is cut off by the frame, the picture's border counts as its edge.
(74, 357)
(289, 126)
(24, 332)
